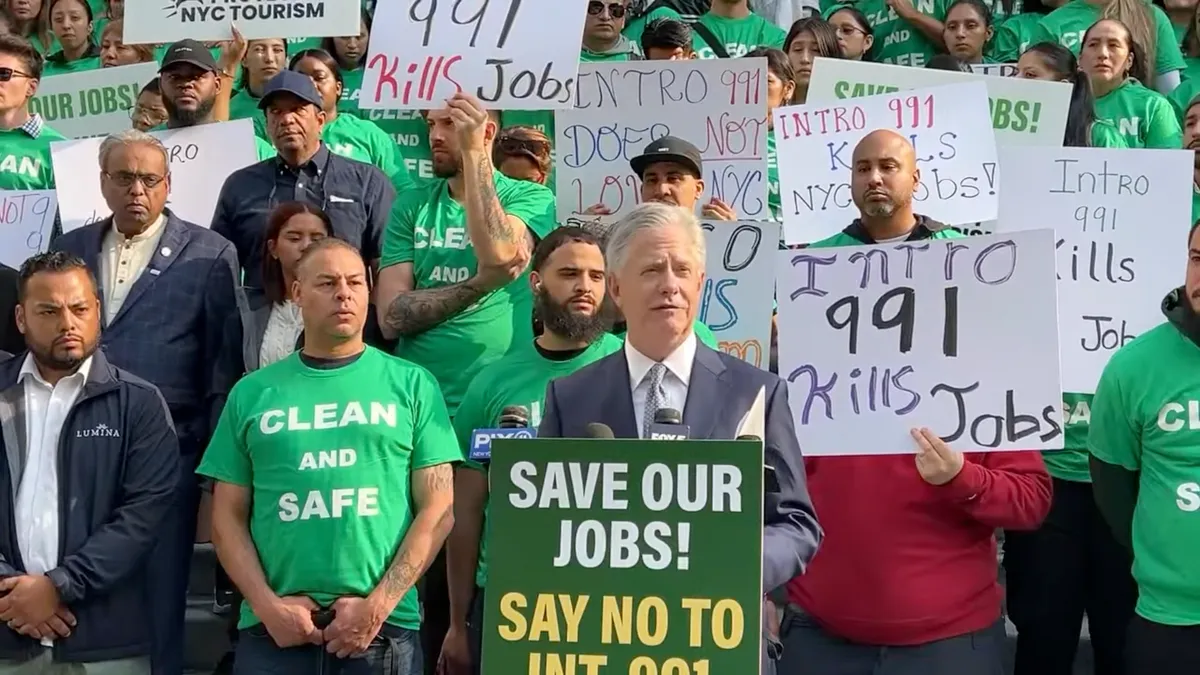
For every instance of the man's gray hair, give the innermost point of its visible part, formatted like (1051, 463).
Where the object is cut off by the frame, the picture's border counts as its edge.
(650, 216)
(131, 137)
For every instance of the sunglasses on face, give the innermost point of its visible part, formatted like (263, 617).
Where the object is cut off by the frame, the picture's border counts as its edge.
(615, 10)
(7, 74)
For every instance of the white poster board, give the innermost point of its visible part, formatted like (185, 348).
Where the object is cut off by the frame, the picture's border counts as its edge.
(202, 157)
(94, 102)
(1022, 112)
(720, 106)
(1121, 218)
(156, 21)
(26, 218)
(740, 287)
(948, 127)
(995, 69)
(958, 335)
(511, 54)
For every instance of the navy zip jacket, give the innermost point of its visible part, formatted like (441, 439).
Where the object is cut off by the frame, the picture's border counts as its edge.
(118, 465)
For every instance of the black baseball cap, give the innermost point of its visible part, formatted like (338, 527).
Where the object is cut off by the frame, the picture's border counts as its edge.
(668, 149)
(290, 82)
(189, 52)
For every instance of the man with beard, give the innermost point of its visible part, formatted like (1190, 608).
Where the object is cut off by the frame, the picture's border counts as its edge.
(1143, 441)
(1191, 141)
(77, 431)
(568, 281)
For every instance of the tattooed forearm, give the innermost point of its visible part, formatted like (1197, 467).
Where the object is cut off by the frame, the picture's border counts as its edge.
(496, 223)
(433, 490)
(401, 575)
(414, 312)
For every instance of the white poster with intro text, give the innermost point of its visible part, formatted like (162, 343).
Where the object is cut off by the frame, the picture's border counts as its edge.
(959, 335)
(164, 22)
(995, 69)
(201, 159)
(510, 54)
(26, 219)
(1120, 217)
(948, 127)
(92, 103)
(719, 106)
(740, 286)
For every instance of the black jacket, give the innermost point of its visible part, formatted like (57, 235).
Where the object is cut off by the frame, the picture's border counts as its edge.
(11, 339)
(118, 462)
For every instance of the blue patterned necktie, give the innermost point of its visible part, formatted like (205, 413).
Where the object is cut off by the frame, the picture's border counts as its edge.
(655, 396)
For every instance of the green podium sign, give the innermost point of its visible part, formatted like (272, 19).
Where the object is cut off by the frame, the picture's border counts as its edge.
(624, 557)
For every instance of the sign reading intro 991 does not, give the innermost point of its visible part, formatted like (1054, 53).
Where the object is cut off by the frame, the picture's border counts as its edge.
(624, 557)
(959, 335)
(511, 54)
(948, 126)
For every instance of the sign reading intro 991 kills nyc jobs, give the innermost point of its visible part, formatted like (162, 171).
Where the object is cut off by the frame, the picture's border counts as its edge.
(959, 335)
(510, 54)
(948, 126)
(1120, 218)
(624, 557)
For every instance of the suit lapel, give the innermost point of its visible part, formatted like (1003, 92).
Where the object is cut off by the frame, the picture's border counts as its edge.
(92, 250)
(703, 399)
(170, 246)
(619, 401)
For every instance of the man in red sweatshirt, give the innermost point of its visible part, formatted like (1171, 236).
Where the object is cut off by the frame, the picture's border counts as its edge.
(905, 582)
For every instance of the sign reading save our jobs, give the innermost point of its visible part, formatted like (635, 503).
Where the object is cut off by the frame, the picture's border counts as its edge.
(91, 103)
(1120, 218)
(948, 127)
(202, 157)
(959, 335)
(740, 286)
(511, 54)
(1022, 111)
(638, 557)
(165, 21)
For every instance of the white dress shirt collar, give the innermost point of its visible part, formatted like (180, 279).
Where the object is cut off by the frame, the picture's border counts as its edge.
(678, 363)
(29, 369)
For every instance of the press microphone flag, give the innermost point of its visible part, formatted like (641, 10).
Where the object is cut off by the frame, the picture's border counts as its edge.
(668, 426)
(513, 423)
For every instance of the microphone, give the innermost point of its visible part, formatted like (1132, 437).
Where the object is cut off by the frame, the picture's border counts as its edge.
(770, 480)
(598, 430)
(668, 426)
(513, 423)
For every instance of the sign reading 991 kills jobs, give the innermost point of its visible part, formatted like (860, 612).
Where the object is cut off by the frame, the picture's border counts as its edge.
(166, 21)
(510, 54)
(92, 103)
(957, 334)
(1121, 218)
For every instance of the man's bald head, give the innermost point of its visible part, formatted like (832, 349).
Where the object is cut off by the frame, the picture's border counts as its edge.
(884, 174)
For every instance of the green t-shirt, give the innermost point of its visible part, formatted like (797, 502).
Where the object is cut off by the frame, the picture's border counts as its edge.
(25, 162)
(1180, 31)
(896, 40)
(999, 15)
(1012, 38)
(774, 201)
(52, 68)
(406, 127)
(739, 36)
(1182, 95)
(1144, 117)
(520, 378)
(1067, 24)
(328, 455)
(1144, 419)
(428, 228)
(1105, 135)
(244, 106)
(351, 136)
(843, 239)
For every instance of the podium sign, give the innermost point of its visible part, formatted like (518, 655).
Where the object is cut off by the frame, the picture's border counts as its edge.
(624, 557)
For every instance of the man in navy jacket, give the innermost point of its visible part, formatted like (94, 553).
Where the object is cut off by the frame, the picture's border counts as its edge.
(88, 471)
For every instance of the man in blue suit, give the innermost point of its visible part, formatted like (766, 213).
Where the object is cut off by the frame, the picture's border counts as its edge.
(655, 258)
(167, 288)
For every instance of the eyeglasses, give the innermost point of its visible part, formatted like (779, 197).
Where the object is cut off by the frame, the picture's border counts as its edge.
(126, 179)
(153, 114)
(7, 74)
(848, 29)
(615, 10)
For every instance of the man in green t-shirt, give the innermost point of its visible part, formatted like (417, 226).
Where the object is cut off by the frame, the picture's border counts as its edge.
(1191, 141)
(736, 30)
(334, 488)
(1145, 466)
(602, 39)
(568, 281)
(24, 138)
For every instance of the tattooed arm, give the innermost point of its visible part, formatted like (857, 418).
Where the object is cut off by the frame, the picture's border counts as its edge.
(433, 494)
(498, 238)
(405, 311)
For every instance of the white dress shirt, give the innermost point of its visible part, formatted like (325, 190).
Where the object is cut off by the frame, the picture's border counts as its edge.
(122, 261)
(675, 380)
(46, 409)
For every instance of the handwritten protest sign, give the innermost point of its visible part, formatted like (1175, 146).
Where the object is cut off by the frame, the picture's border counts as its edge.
(635, 557)
(717, 105)
(1120, 217)
(512, 54)
(959, 335)
(995, 69)
(156, 21)
(740, 286)
(26, 218)
(1022, 112)
(202, 157)
(948, 126)
(91, 103)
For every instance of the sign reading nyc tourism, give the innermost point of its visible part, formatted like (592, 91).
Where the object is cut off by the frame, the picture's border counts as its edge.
(164, 21)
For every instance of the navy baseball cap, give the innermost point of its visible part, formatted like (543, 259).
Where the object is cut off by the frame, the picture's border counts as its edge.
(190, 52)
(668, 149)
(291, 82)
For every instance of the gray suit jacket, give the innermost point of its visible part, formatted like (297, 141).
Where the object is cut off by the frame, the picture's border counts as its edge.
(721, 391)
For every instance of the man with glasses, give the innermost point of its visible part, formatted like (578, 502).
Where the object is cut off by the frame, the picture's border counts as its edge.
(167, 287)
(24, 137)
(356, 195)
(602, 39)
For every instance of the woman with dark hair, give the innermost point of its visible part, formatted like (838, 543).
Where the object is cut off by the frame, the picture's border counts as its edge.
(350, 53)
(781, 85)
(854, 34)
(29, 21)
(264, 58)
(808, 39)
(1116, 67)
(114, 52)
(1055, 63)
(71, 22)
(967, 30)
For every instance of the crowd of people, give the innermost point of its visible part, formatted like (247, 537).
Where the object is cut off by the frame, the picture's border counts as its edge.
(299, 379)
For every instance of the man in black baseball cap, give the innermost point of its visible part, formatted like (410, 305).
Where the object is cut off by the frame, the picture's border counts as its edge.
(672, 172)
(190, 81)
(295, 116)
